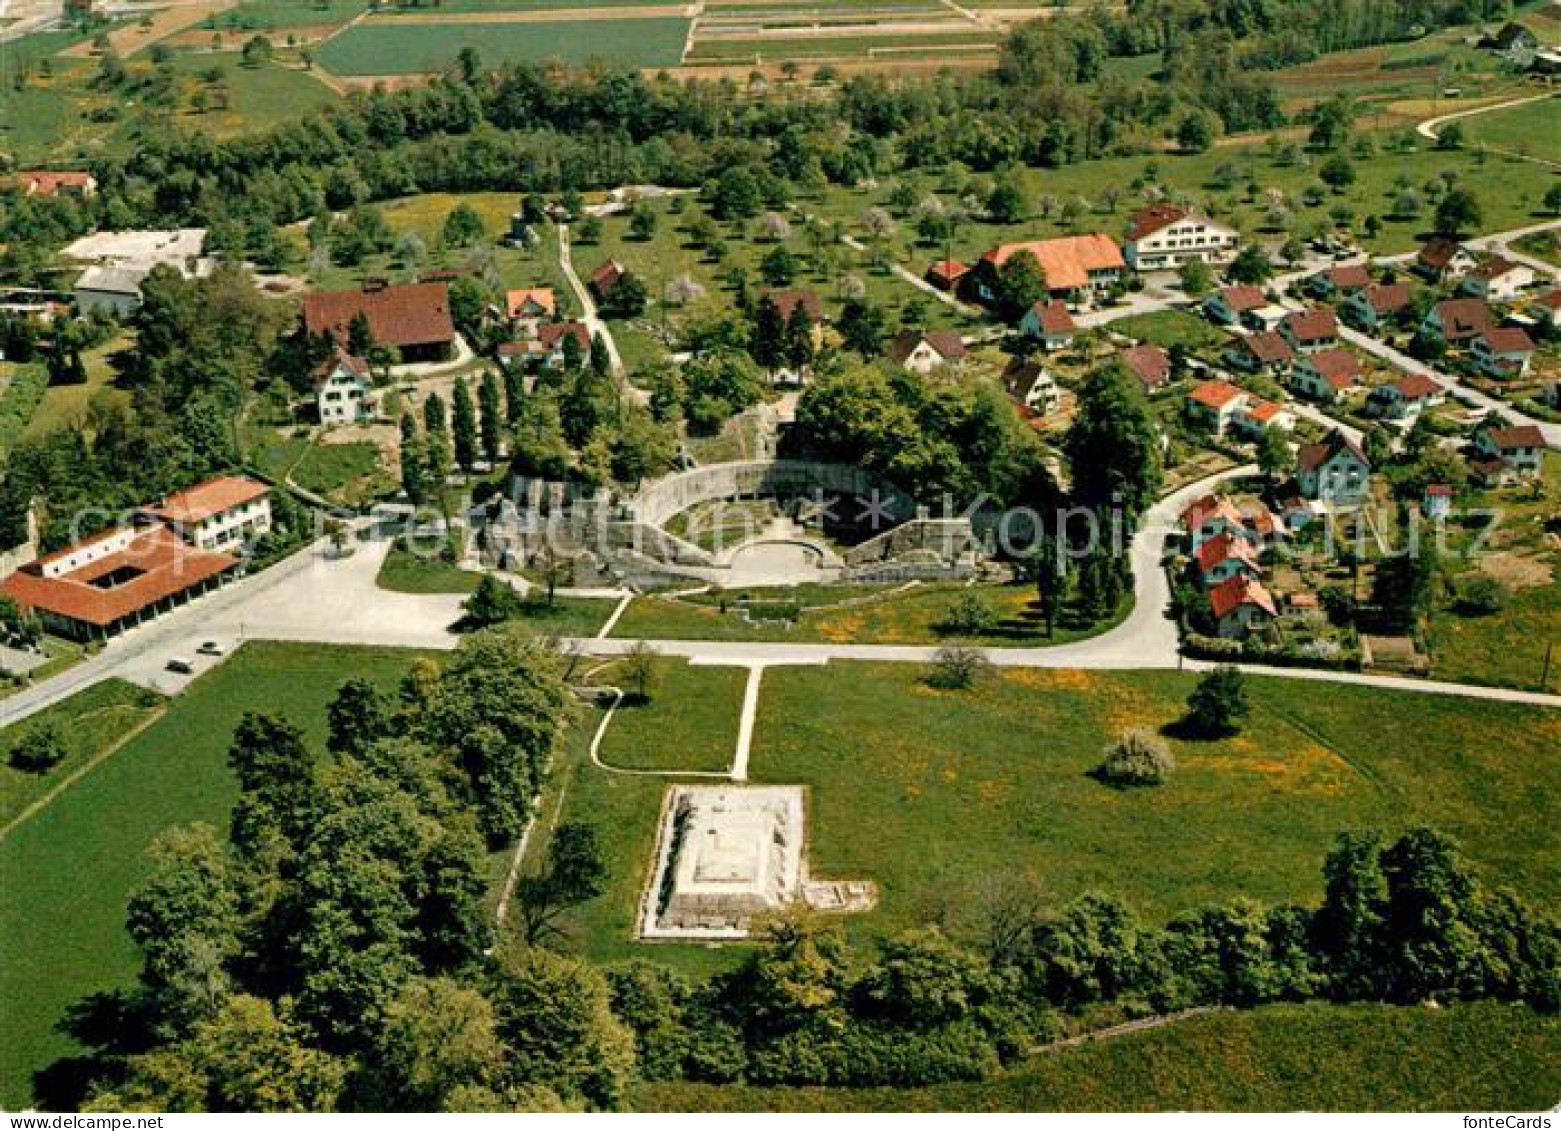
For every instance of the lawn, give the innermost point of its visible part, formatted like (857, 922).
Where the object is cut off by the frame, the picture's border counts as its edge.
(65, 873)
(1507, 648)
(260, 97)
(897, 771)
(1481, 1057)
(348, 473)
(774, 48)
(88, 723)
(63, 405)
(1170, 328)
(842, 615)
(388, 48)
(406, 572)
(274, 15)
(690, 722)
(1534, 129)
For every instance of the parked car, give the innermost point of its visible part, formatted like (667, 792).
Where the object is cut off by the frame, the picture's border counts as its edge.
(181, 665)
(212, 648)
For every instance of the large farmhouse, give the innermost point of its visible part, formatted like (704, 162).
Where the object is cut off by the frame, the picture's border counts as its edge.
(414, 318)
(1165, 236)
(1075, 267)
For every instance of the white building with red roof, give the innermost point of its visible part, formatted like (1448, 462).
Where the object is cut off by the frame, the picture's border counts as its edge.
(1325, 376)
(1519, 450)
(1498, 279)
(1241, 607)
(1505, 351)
(1215, 404)
(220, 514)
(1228, 304)
(1405, 398)
(1074, 266)
(1049, 323)
(343, 389)
(1165, 236)
(1223, 557)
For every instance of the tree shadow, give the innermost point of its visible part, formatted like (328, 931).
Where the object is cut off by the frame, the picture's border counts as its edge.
(112, 1024)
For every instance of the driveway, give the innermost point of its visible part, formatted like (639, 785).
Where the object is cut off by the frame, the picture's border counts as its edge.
(588, 313)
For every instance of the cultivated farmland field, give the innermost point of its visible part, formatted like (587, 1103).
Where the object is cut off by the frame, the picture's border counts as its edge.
(413, 48)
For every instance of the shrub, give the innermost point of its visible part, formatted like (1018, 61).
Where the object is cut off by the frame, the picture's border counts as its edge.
(1136, 757)
(1481, 596)
(40, 750)
(970, 614)
(956, 667)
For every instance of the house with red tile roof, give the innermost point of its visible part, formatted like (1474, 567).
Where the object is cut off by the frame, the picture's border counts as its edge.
(413, 318)
(945, 274)
(103, 585)
(1228, 304)
(1517, 450)
(1405, 398)
(1215, 404)
(1498, 279)
(1225, 556)
(1308, 331)
(224, 513)
(1150, 364)
(1241, 606)
(1325, 375)
(1370, 308)
(1075, 267)
(788, 300)
(1503, 352)
(1341, 281)
(1458, 321)
(550, 339)
(47, 185)
(1442, 258)
(1209, 516)
(1049, 323)
(530, 306)
(1263, 352)
(605, 278)
(1165, 236)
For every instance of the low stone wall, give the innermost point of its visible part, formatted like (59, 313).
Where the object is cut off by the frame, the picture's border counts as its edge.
(783, 478)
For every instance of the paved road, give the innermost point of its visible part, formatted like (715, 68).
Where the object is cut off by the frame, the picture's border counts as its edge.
(1430, 128)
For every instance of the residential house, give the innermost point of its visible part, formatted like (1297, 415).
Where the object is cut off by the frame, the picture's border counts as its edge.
(1209, 516)
(1509, 453)
(343, 389)
(1241, 607)
(1441, 259)
(1326, 375)
(1225, 556)
(792, 299)
(1265, 318)
(1228, 304)
(223, 514)
(413, 319)
(1458, 321)
(102, 289)
(1032, 385)
(549, 348)
(1165, 236)
(1334, 472)
(1341, 281)
(528, 309)
(946, 274)
(605, 278)
(1076, 267)
(926, 350)
(1379, 305)
(38, 183)
(1515, 43)
(1256, 417)
(1215, 404)
(1265, 352)
(1503, 352)
(1437, 502)
(1150, 364)
(1050, 324)
(1405, 399)
(1497, 279)
(1308, 331)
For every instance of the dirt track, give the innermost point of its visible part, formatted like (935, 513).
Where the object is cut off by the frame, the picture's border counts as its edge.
(132, 37)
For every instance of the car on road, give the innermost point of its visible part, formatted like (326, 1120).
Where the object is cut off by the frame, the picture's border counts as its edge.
(213, 648)
(181, 665)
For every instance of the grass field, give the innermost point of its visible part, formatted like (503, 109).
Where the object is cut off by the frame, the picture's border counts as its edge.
(1534, 129)
(65, 873)
(389, 49)
(88, 723)
(1479, 1057)
(63, 405)
(776, 48)
(912, 616)
(690, 722)
(348, 473)
(1170, 328)
(931, 794)
(406, 572)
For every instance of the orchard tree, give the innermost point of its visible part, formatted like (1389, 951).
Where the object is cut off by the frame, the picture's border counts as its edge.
(1218, 703)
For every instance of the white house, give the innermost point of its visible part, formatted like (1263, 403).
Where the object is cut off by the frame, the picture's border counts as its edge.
(1256, 417)
(1334, 471)
(1215, 404)
(1503, 352)
(1442, 259)
(1497, 279)
(1520, 450)
(923, 351)
(1405, 399)
(1033, 386)
(1326, 375)
(219, 514)
(1308, 331)
(1165, 236)
(343, 390)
